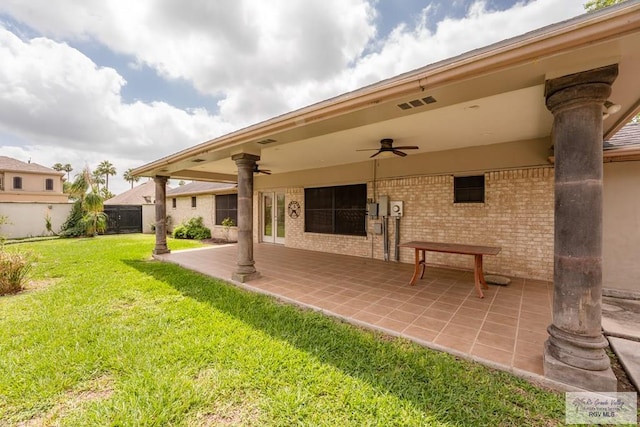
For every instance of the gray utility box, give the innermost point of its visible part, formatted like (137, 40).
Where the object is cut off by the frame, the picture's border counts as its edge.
(396, 208)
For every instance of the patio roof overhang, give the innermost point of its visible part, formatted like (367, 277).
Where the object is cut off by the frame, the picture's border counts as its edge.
(497, 92)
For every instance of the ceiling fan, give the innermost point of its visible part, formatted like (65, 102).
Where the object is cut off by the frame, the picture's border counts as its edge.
(256, 169)
(386, 145)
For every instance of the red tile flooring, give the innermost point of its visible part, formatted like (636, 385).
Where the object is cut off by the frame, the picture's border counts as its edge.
(506, 329)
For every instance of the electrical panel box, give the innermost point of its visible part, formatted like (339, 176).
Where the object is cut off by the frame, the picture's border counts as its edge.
(383, 206)
(396, 208)
(377, 228)
(372, 210)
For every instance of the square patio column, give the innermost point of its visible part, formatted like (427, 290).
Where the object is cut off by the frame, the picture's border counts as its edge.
(161, 215)
(245, 269)
(574, 352)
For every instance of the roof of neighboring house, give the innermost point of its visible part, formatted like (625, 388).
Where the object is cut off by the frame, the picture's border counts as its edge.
(14, 165)
(199, 187)
(628, 136)
(143, 194)
(624, 146)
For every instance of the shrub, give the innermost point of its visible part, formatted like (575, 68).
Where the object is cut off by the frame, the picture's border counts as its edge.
(14, 268)
(74, 226)
(192, 229)
(227, 223)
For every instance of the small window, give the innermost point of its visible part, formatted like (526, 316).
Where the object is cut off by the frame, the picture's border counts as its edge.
(226, 207)
(17, 183)
(48, 184)
(174, 203)
(193, 202)
(468, 189)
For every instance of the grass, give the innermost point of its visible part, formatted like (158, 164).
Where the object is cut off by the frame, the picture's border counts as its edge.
(109, 337)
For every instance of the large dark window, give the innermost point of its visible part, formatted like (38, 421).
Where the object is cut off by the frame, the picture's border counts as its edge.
(226, 207)
(468, 189)
(48, 184)
(174, 203)
(17, 183)
(336, 210)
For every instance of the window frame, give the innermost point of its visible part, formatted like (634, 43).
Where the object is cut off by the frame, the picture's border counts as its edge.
(17, 180)
(468, 189)
(337, 204)
(48, 184)
(230, 212)
(194, 202)
(174, 203)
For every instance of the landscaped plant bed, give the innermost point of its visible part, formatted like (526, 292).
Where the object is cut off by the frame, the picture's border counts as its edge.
(116, 338)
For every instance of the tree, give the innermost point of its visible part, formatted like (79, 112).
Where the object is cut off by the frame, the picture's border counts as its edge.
(58, 167)
(130, 178)
(97, 178)
(67, 168)
(87, 217)
(593, 5)
(106, 168)
(105, 194)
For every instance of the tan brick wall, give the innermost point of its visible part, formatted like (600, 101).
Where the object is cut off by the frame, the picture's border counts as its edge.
(205, 207)
(517, 215)
(183, 210)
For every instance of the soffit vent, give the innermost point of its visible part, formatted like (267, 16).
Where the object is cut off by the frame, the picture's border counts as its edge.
(417, 103)
(266, 141)
(197, 160)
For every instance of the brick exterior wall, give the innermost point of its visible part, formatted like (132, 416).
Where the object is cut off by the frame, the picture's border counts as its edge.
(517, 215)
(205, 207)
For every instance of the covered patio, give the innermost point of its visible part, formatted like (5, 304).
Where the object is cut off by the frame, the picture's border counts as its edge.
(504, 330)
(524, 119)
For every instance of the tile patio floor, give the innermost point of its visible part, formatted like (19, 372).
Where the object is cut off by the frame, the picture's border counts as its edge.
(505, 330)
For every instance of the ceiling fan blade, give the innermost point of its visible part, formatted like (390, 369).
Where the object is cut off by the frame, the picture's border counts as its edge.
(368, 149)
(266, 172)
(407, 147)
(398, 153)
(379, 151)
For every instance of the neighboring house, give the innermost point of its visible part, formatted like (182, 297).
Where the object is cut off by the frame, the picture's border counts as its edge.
(621, 207)
(143, 194)
(470, 164)
(132, 211)
(213, 201)
(30, 182)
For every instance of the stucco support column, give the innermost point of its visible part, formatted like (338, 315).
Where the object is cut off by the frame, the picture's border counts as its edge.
(245, 269)
(161, 215)
(574, 352)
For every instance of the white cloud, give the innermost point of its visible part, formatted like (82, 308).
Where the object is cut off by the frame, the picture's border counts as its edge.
(262, 58)
(64, 108)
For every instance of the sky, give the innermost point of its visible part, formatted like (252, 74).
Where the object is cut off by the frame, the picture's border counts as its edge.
(82, 81)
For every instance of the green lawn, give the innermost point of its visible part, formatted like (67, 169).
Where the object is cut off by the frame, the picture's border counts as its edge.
(109, 337)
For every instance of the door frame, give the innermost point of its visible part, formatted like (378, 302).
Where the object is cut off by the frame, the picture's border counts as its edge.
(273, 238)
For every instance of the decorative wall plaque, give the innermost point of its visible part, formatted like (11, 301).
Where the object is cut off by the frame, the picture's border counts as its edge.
(294, 209)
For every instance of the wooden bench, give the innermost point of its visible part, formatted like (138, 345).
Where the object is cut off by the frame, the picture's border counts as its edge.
(452, 248)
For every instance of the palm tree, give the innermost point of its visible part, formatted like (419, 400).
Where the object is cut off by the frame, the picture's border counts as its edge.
(94, 219)
(87, 217)
(130, 178)
(67, 168)
(58, 167)
(96, 178)
(106, 168)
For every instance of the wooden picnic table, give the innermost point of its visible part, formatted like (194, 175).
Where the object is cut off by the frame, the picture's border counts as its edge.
(452, 248)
